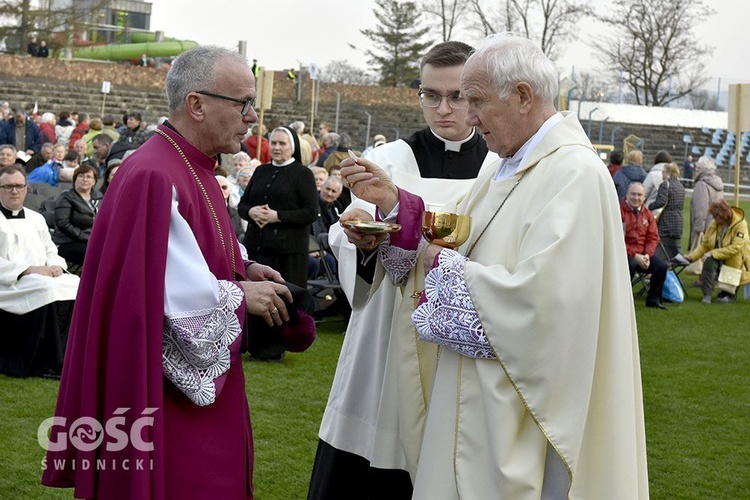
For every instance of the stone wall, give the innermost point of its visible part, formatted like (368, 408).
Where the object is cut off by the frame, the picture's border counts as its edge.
(76, 85)
(59, 85)
(81, 71)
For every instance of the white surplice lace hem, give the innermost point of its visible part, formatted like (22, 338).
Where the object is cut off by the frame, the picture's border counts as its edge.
(449, 318)
(196, 345)
(397, 261)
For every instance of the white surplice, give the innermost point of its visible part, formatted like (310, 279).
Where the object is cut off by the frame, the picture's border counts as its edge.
(377, 404)
(23, 243)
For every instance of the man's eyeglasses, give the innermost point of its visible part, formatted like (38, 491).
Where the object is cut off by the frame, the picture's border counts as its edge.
(11, 187)
(432, 99)
(247, 104)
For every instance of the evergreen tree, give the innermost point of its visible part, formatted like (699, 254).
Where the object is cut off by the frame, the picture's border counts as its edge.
(397, 41)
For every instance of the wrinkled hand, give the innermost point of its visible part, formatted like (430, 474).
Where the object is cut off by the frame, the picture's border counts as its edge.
(643, 260)
(262, 215)
(259, 272)
(369, 182)
(51, 271)
(266, 299)
(272, 216)
(365, 242)
(428, 257)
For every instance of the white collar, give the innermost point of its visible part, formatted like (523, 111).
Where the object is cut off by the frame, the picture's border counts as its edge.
(509, 165)
(453, 145)
(13, 212)
(288, 162)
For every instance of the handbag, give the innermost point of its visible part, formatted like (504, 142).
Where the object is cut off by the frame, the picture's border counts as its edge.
(729, 278)
(657, 212)
(695, 267)
(673, 291)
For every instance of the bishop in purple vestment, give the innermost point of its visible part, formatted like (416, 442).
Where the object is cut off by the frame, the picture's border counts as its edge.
(152, 400)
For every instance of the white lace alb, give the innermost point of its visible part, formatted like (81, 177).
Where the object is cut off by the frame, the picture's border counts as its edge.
(397, 261)
(196, 345)
(449, 317)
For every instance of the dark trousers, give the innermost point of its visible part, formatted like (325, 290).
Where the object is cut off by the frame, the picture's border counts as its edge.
(340, 475)
(73, 252)
(658, 270)
(292, 266)
(34, 343)
(711, 268)
(669, 248)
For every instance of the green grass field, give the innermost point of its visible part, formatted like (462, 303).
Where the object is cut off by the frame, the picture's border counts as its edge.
(694, 362)
(694, 358)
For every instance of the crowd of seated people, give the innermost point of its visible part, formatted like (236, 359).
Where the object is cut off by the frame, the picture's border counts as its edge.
(718, 235)
(54, 171)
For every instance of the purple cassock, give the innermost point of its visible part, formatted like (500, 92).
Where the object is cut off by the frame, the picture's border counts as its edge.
(150, 440)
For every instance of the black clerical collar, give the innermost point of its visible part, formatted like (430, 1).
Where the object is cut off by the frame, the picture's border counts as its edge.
(13, 214)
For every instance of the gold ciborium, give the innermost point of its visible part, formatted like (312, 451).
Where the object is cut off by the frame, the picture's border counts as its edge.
(446, 229)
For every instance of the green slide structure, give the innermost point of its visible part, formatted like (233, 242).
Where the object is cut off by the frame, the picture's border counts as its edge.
(144, 44)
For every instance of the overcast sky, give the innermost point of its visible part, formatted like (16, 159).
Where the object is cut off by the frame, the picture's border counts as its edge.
(286, 33)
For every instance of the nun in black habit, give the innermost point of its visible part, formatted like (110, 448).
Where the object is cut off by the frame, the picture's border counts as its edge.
(280, 203)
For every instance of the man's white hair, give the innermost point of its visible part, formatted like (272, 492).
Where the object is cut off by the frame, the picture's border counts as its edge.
(512, 59)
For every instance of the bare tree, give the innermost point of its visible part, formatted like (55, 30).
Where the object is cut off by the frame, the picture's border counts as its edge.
(448, 12)
(552, 22)
(704, 99)
(495, 18)
(653, 44)
(341, 71)
(559, 19)
(593, 87)
(18, 20)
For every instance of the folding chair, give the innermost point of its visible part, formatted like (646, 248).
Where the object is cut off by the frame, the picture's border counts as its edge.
(34, 201)
(47, 209)
(674, 266)
(643, 279)
(325, 288)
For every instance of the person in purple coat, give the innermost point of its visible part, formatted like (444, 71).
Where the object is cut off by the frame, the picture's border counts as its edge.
(153, 357)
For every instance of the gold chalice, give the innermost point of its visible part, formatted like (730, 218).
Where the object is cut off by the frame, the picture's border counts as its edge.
(446, 229)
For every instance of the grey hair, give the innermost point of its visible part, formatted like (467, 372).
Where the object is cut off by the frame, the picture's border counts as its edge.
(332, 138)
(297, 126)
(332, 179)
(194, 70)
(241, 155)
(512, 59)
(345, 141)
(705, 164)
(634, 184)
(8, 146)
(48, 117)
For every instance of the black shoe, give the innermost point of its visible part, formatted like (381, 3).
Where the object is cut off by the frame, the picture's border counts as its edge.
(656, 304)
(51, 374)
(273, 353)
